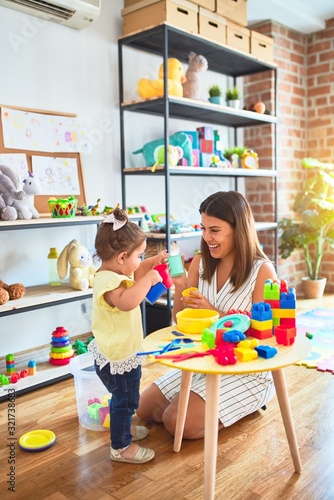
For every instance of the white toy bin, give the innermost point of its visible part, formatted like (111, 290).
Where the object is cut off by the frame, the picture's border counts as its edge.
(88, 387)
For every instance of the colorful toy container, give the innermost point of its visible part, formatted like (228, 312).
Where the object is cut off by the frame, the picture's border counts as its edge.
(90, 393)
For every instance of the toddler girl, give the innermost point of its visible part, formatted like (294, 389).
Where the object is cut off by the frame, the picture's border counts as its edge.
(120, 285)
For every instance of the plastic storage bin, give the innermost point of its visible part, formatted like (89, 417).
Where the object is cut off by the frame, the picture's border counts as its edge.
(92, 397)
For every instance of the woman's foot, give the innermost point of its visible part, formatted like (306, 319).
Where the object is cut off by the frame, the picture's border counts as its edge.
(132, 454)
(139, 432)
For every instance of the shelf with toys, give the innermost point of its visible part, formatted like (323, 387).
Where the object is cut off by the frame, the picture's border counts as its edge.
(172, 43)
(43, 373)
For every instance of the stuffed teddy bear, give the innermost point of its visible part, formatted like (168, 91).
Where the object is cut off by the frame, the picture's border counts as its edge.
(79, 259)
(25, 208)
(192, 87)
(9, 184)
(11, 292)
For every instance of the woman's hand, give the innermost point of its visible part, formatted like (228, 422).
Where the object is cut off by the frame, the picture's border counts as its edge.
(196, 300)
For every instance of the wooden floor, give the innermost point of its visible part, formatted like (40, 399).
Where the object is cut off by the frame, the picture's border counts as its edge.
(253, 458)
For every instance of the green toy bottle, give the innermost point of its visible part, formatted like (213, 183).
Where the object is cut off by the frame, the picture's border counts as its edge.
(54, 279)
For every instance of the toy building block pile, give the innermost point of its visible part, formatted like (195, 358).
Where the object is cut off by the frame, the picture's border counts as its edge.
(99, 411)
(13, 376)
(276, 315)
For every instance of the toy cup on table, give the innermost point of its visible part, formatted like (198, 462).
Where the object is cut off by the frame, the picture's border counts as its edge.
(175, 265)
(163, 270)
(155, 292)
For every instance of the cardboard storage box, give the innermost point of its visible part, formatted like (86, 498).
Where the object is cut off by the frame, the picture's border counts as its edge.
(141, 15)
(234, 10)
(212, 26)
(237, 37)
(261, 46)
(206, 4)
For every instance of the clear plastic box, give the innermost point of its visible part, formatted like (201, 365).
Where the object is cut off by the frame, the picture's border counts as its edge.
(88, 387)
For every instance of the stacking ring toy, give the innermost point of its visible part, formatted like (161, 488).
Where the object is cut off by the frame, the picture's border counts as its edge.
(240, 322)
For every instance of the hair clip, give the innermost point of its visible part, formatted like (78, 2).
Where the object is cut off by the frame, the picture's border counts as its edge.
(111, 219)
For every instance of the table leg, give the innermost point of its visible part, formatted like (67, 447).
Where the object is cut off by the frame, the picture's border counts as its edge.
(182, 409)
(211, 435)
(284, 404)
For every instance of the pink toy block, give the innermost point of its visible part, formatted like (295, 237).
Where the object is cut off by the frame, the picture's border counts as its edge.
(285, 336)
(196, 157)
(103, 412)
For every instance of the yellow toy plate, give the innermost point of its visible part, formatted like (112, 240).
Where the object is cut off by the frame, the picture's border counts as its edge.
(38, 440)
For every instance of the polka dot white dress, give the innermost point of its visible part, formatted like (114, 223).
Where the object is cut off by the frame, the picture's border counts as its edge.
(239, 395)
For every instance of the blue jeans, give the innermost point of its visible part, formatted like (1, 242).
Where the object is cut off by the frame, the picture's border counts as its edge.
(123, 404)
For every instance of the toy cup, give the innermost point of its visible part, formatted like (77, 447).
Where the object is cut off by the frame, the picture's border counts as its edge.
(165, 274)
(155, 292)
(175, 265)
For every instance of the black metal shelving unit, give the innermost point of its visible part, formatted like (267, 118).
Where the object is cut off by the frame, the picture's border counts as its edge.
(168, 41)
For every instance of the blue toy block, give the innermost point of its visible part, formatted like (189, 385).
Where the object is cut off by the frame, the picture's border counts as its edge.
(233, 336)
(261, 311)
(288, 300)
(266, 351)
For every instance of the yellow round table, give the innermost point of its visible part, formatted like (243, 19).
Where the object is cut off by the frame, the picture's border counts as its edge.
(287, 355)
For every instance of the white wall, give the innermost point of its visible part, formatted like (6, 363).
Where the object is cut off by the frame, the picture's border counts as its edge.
(52, 67)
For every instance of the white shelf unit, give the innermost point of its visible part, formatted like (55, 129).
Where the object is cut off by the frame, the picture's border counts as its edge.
(38, 297)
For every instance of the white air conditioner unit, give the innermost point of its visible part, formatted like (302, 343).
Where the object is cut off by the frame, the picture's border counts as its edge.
(76, 14)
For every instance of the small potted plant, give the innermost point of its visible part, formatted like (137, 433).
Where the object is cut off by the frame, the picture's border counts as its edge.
(232, 97)
(313, 228)
(234, 155)
(215, 93)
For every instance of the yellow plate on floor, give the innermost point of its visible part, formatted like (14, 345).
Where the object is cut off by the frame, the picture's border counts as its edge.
(38, 440)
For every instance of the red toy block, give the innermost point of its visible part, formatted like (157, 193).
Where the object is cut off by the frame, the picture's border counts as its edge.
(206, 146)
(285, 335)
(274, 304)
(283, 286)
(259, 334)
(24, 373)
(288, 322)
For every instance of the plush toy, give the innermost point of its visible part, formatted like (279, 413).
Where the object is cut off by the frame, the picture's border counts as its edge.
(175, 153)
(193, 86)
(80, 261)
(25, 208)
(9, 184)
(155, 88)
(179, 139)
(11, 292)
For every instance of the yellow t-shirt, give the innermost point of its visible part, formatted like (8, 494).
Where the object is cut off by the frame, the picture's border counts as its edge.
(118, 334)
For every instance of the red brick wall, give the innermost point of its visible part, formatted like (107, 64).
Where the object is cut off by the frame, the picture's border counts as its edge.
(305, 128)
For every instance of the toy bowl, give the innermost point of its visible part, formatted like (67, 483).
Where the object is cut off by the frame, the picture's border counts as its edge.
(195, 320)
(63, 207)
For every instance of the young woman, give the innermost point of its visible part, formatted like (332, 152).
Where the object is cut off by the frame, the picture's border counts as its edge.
(229, 273)
(120, 285)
